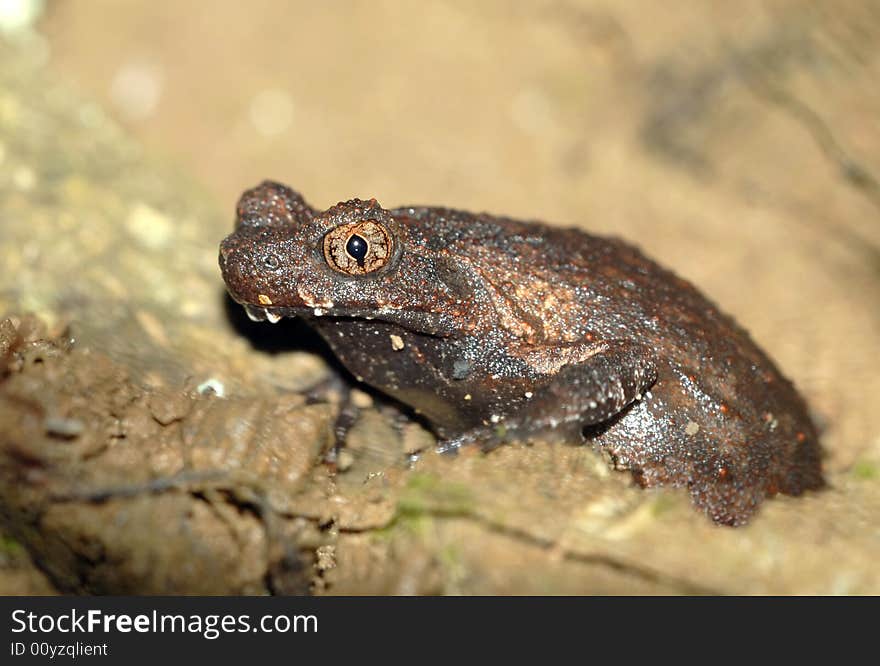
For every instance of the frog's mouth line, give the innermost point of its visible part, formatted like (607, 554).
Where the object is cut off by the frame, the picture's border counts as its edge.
(273, 315)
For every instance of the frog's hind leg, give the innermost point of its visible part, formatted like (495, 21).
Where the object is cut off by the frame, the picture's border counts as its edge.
(723, 488)
(727, 471)
(729, 485)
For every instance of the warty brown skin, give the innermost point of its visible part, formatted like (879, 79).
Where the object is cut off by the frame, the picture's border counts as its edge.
(496, 329)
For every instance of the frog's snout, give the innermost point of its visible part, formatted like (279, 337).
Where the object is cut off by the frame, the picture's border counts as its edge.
(235, 268)
(254, 277)
(226, 251)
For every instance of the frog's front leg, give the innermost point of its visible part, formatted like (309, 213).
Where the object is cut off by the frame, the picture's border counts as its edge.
(569, 389)
(595, 383)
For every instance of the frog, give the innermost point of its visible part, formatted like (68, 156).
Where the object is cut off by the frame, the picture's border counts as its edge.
(494, 330)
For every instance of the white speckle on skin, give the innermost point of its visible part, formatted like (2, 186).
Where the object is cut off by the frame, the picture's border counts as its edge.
(593, 404)
(396, 342)
(495, 418)
(318, 312)
(529, 395)
(467, 396)
(307, 298)
(691, 428)
(272, 317)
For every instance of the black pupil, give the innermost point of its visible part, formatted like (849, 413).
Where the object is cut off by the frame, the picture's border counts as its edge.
(357, 248)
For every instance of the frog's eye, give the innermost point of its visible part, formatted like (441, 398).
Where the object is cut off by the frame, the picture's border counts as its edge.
(358, 248)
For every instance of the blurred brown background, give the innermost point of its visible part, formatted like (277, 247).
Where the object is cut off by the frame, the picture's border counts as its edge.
(545, 108)
(737, 143)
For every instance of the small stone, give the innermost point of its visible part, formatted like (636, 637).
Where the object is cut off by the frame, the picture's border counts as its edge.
(64, 428)
(211, 386)
(150, 227)
(344, 460)
(360, 399)
(326, 557)
(396, 342)
(691, 428)
(9, 337)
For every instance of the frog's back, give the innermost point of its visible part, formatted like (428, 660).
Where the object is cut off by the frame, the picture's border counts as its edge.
(570, 286)
(721, 417)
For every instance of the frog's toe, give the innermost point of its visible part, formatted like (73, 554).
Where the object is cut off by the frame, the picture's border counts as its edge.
(486, 438)
(450, 447)
(727, 500)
